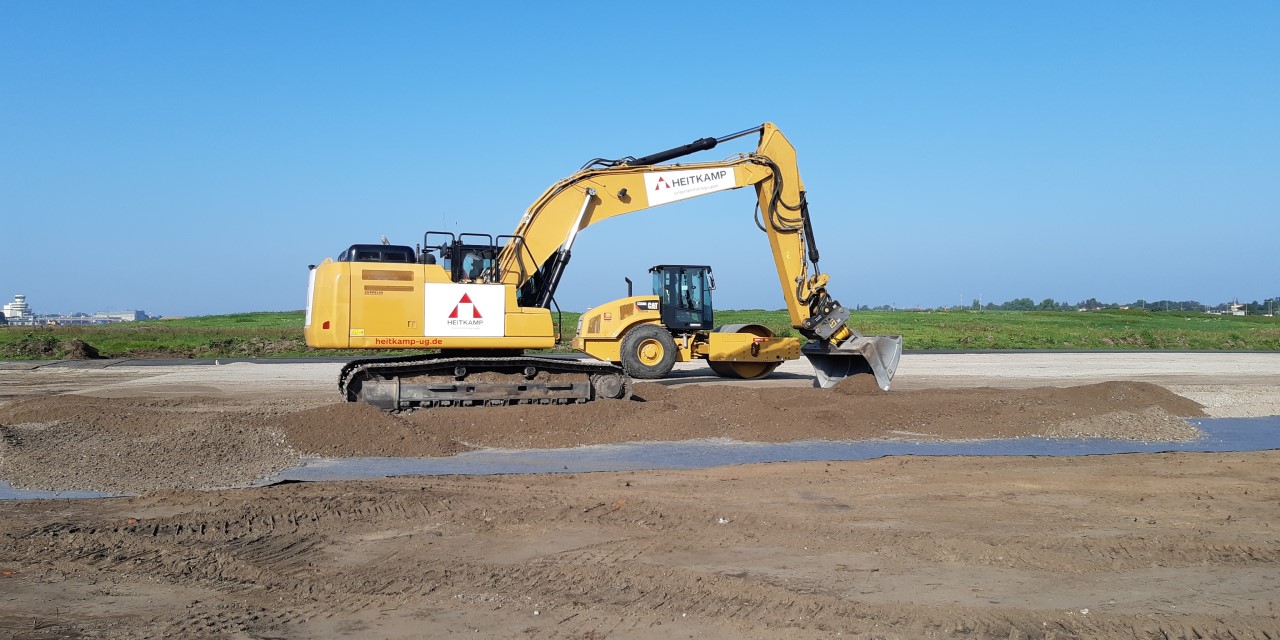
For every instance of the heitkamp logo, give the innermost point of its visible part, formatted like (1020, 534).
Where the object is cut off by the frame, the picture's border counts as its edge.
(669, 186)
(691, 180)
(465, 312)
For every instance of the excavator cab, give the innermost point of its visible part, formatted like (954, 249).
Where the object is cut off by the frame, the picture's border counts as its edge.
(464, 257)
(685, 293)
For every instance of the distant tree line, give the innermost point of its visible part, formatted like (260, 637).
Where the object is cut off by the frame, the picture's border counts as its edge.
(1270, 305)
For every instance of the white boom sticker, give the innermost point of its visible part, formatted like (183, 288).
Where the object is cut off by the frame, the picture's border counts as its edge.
(477, 310)
(669, 186)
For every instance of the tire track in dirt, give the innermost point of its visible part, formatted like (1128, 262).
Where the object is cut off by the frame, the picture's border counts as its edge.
(265, 545)
(290, 557)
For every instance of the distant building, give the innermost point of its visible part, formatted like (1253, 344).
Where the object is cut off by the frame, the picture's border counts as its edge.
(1234, 309)
(17, 312)
(101, 317)
(119, 316)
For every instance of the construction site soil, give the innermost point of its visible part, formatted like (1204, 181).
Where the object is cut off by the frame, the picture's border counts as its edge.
(1135, 546)
(134, 445)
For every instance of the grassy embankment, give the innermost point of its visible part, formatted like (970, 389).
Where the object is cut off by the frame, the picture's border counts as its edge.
(279, 334)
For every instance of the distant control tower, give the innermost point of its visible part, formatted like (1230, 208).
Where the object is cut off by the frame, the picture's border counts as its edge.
(17, 312)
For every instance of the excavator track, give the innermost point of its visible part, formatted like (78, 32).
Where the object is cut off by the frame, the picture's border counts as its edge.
(412, 382)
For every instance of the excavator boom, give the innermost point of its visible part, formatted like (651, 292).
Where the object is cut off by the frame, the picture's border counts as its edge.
(605, 189)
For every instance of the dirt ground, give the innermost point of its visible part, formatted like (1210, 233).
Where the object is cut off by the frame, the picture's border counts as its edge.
(1158, 545)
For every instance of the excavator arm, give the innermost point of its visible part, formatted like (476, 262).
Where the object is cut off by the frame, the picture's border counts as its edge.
(535, 260)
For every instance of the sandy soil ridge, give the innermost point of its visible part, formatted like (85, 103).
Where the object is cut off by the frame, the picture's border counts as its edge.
(130, 445)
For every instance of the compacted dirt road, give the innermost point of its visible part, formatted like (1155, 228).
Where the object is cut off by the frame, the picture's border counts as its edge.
(1155, 545)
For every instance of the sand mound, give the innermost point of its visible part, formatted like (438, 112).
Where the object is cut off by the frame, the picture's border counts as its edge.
(349, 429)
(858, 386)
(134, 444)
(80, 350)
(140, 444)
(42, 345)
(1129, 410)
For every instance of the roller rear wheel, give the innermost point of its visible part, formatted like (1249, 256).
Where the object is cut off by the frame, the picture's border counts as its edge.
(648, 352)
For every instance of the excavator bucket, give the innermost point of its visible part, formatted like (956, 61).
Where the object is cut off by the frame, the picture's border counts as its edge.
(876, 355)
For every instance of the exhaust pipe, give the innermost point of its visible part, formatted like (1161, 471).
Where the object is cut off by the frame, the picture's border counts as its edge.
(878, 355)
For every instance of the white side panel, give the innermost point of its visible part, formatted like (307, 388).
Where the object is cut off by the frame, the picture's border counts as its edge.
(476, 310)
(311, 296)
(669, 186)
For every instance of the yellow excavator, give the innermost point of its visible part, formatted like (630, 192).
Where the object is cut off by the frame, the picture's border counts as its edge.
(482, 302)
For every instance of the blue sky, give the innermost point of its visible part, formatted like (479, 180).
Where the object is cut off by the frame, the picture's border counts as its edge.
(193, 158)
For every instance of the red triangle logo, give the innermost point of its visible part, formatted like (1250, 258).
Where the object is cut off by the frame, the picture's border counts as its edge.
(466, 299)
(661, 181)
